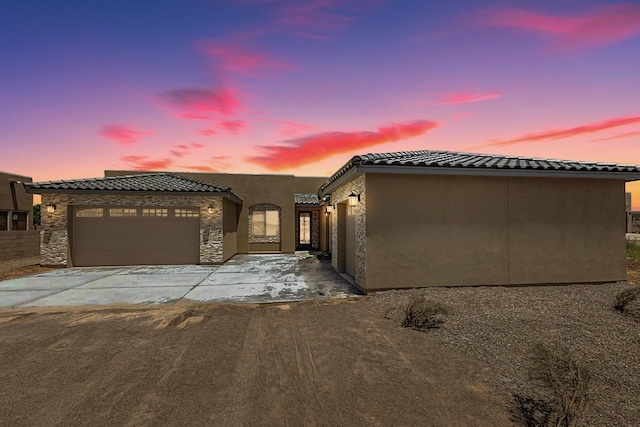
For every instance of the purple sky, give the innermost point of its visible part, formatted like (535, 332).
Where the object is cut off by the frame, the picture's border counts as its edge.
(280, 86)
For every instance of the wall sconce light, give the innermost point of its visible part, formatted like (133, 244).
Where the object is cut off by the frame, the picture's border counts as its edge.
(211, 209)
(328, 210)
(353, 199)
(51, 207)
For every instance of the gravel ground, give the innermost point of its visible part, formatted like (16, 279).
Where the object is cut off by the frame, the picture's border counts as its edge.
(499, 325)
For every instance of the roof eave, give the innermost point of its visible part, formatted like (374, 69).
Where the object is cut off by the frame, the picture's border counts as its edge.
(355, 171)
(426, 170)
(32, 190)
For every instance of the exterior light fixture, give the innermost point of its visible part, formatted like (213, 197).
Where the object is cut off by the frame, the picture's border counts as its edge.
(328, 210)
(51, 207)
(353, 199)
(210, 209)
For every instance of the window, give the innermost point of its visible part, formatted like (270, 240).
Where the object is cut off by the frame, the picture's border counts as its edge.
(19, 221)
(265, 223)
(89, 213)
(121, 212)
(187, 213)
(4, 220)
(155, 212)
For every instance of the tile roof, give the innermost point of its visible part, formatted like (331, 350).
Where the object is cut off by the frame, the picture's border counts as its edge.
(307, 199)
(477, 162)
(153, 182)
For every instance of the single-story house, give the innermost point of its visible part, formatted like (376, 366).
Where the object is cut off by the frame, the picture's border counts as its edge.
(17, 235)
(392, 220)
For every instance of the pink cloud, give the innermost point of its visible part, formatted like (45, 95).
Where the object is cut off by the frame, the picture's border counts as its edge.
(123, 134)
(144, 163)
(197, 145)
(206, 132)
(233, 57)
(564, 133)
(461, 115)
(289, 128)
(316, 147)
(619, 136)
(201, 168)
(467, 97)
(233, 126)
(599, 26)
(216, 163)
(202, 104)
(314, 19)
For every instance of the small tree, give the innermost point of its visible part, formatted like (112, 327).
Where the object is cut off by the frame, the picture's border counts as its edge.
(36, 214)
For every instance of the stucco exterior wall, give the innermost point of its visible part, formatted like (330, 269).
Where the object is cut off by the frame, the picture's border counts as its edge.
(566, 230)
(340, 196)
(56, 234)
(467, 231)
(229, 229)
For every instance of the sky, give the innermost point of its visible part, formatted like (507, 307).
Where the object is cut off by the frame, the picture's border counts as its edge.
(299, 87)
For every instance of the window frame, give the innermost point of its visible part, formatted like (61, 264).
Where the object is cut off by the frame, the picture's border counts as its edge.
(78, 210)
(26, 221)
(264, 222)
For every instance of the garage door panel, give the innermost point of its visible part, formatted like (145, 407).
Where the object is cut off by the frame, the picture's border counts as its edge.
(135, 240)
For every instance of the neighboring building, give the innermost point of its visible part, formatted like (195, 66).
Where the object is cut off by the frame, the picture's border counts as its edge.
(17, 237)
(394, 220)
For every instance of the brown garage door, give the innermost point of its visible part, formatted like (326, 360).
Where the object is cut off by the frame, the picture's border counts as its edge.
(127, 235)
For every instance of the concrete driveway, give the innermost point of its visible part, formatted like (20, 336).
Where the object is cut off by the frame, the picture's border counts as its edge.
(244, 278)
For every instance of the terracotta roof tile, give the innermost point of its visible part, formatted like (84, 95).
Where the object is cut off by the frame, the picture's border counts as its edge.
(478, 162)
(307, 199)
(154, 182)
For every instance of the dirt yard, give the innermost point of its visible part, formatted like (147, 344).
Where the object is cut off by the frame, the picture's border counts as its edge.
(311, 363)
(340, 362)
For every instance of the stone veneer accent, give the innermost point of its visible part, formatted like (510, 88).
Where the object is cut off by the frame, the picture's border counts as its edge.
(315, 229)
(341, 195)
(55, 248)
(264, 239)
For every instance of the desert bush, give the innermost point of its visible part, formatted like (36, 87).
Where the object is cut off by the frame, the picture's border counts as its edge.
(531, 412)
(564, 378)
(626, 297)
(422, 314)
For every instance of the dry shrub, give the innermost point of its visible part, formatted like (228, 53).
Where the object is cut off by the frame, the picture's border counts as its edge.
(422, 314)
(566, 380)
(531, 412)
(625, 298)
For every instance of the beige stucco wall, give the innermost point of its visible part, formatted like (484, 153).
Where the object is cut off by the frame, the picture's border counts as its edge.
(436, 230)
(278, 190)
(433, 230)
(566, 230)
(229, 229)
(56, 248)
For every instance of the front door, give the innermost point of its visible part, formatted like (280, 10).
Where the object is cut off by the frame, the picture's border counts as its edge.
(304, 230)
